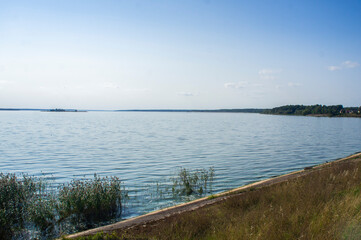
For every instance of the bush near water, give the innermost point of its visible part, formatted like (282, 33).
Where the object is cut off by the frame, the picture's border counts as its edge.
(28, 206)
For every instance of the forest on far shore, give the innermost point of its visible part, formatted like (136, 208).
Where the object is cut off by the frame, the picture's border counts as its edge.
(333, 110)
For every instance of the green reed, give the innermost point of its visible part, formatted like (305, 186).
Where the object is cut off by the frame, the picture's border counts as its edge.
(197, 182)
(15, 198)
(88, 201)
(29, 204)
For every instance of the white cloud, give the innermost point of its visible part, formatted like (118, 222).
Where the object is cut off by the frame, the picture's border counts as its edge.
(4, 82)
(258, 85)
(345, 64)
(230, 85)
(349, 64)
(334, 68)
(236, 85)
(186, 94)
(110, 85)
(269, 73)
(293, 84)
(136, 90)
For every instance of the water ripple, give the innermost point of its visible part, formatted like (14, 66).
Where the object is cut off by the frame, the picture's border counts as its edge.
(145, 148)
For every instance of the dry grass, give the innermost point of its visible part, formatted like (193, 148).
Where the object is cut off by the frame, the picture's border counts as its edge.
(325, 204)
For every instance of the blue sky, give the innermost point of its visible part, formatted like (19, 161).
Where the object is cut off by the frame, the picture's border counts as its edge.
(179, 54)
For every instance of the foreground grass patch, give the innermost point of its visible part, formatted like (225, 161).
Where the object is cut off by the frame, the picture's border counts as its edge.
(326, 204)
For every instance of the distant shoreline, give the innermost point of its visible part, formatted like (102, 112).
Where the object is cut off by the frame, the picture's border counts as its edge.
(314, 115)
(245, 110)
(288, 110)
(241, 110)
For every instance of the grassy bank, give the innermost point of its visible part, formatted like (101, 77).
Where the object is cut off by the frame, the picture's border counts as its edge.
(324, 204)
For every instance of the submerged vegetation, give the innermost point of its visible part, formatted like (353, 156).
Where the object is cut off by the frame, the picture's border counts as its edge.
(325, 204)
(184, 185)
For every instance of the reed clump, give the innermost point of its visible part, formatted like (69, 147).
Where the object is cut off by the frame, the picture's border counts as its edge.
(185, 184)
(15, 196)
(196, 182)
(91, 200)
(28, 205)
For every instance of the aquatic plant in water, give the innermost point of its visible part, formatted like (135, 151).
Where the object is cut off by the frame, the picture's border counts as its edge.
(15, 198)
(89, 201)
(27, 204)
(197, 182)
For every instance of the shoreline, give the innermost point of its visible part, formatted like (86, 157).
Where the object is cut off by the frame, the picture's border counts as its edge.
(206, 201)
(314, 115)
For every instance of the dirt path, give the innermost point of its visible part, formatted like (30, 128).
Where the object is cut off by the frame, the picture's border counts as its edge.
(193, 205)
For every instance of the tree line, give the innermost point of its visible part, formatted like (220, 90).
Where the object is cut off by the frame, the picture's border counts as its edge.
(333, 110)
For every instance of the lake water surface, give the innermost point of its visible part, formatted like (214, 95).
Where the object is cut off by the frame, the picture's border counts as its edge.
(142, 148)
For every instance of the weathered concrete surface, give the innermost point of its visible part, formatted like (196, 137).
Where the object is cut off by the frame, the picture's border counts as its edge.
(193, 205)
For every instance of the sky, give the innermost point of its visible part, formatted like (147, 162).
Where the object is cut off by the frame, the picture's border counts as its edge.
(155, 54)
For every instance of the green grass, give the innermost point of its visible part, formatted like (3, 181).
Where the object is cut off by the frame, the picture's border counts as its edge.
(211, 197)
(326, 204)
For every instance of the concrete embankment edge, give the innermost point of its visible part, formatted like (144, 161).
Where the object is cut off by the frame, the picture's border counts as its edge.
(193, 205)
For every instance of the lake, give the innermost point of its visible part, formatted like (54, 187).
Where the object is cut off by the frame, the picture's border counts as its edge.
(143, 148)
